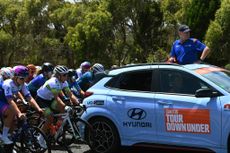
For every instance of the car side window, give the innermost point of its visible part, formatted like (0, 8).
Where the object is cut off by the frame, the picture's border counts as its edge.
(173, 81)
(135, 80)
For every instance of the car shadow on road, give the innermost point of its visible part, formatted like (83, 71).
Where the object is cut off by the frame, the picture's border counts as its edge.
(148, 150)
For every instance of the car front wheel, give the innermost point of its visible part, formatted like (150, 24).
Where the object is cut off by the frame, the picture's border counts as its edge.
(106, 138)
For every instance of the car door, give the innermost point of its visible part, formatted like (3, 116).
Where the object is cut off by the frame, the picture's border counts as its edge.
(182, 118)
(134, 100)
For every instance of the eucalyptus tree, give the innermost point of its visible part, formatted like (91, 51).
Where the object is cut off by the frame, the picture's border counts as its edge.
(173, 15)
(136, 27)
(8, 31)
(35, 26)
(90, 38)
(199, 14)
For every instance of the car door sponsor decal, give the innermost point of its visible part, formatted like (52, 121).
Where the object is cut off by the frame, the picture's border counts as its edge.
(96, 102)
(137, 114)
(187, 120)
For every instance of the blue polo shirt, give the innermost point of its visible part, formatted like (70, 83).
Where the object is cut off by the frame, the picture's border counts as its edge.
(186, 53)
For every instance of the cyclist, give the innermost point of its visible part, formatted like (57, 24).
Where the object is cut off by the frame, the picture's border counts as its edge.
(88, 78)
(32, 72)
(6, 73)
(73, 85)
(8, 108)
(85, 66)
(48, 95)
(40, 79)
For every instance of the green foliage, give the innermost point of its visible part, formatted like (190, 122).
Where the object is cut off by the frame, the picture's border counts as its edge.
(227, 67)
(218, 35)
(5, 38)
(159, 56)
(107, 31)
(199, 14)
(136, 27)
(174, 14)
(89, 39)
(173, 11)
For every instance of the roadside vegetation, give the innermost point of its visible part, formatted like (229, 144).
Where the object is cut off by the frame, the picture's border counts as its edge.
(108, 31)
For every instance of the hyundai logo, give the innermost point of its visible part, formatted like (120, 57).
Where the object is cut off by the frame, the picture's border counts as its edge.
(136, 114)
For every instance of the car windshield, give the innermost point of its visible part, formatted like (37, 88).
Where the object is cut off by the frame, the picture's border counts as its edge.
(219, 76)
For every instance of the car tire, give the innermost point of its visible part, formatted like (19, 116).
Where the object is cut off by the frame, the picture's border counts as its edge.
(106, 137)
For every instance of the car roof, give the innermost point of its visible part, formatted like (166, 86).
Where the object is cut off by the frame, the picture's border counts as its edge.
(142, 66)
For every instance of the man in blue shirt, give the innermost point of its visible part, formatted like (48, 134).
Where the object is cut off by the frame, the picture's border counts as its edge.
(186, 49)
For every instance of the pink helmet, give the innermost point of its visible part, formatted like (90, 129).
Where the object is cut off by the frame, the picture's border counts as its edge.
(21, 71)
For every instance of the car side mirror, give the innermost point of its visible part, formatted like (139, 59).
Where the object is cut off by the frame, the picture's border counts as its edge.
(206, 93)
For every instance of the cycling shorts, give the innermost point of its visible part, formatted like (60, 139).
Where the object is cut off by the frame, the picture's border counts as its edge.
(43, 103)
(49, 105)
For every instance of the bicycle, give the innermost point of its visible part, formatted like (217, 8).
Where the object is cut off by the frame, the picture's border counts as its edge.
(68, 128)
(26, 136)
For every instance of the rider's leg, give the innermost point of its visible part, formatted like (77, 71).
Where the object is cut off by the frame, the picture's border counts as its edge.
(8, 121)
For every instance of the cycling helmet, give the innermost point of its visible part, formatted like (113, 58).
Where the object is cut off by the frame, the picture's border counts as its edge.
(6, 72)
(47, 67)
(85, 65)
(21, 71)
(61, 69)
(31, 67)
(71, 73)
(98, 68)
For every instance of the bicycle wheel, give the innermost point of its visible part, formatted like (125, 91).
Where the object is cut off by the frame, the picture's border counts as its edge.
(32, 139)
(84, 130)
(66, 138)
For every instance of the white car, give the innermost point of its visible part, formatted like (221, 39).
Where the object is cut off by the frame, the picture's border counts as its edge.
(185, 106)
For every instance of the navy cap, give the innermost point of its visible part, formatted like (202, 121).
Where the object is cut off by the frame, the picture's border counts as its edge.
(184, 28)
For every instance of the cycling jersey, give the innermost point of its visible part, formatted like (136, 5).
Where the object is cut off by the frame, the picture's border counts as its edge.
(10, 89)
(36, 83)
(86, 80)
(79, 72)
(7, 91)
(51, 87)
(75, 88)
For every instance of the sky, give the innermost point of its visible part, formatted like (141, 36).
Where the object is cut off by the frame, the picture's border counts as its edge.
(72, 1)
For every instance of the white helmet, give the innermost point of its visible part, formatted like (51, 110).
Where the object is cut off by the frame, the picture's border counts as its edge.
(7, 72)
(61, 69)
(98, 68)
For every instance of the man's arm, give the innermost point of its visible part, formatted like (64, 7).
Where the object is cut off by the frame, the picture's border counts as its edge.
(172, 55)
(204, 53)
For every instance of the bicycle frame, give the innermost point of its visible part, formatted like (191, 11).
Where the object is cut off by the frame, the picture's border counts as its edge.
(66, 118)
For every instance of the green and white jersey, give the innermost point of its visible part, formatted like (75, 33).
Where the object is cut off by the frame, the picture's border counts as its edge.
(51, 87)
